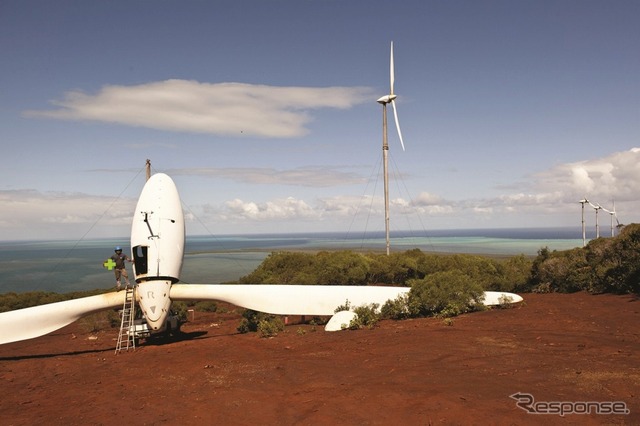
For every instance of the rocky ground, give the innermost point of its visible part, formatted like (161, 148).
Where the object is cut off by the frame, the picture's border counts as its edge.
(552, 349)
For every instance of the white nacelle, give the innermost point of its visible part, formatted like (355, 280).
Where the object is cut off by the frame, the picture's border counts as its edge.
(157, 245)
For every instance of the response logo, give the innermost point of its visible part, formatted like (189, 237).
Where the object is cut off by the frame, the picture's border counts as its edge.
(527, 402)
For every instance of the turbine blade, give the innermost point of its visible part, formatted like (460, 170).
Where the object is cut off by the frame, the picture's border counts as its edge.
(395, 114)
(391, 71)
(283, 299)
(27, 323)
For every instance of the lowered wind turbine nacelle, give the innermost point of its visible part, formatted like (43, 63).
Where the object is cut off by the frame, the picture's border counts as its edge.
(157, 245)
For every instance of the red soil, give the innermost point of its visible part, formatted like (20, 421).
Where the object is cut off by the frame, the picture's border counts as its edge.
(565, 348)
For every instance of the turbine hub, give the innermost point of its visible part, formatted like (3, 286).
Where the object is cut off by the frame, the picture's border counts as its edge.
(386, 99)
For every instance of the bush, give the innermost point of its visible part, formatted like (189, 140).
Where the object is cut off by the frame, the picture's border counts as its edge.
(367, 316)
(396, 309)
(12, 301)
(563, 271)
(605, 265)
(445, 294)
(99, 321)
(206, 306)
(268, 325)
(349, 268)
(180, 309)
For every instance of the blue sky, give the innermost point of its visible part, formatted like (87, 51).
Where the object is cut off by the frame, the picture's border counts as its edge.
(265, 113)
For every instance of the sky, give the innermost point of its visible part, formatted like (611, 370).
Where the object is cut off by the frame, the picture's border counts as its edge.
(264, 113)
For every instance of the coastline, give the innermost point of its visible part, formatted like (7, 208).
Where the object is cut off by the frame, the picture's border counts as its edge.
(67, 266)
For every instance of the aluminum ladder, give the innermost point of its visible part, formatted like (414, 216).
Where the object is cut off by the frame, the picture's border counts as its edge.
(126, 339)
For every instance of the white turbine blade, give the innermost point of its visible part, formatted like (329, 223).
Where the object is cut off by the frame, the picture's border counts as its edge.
(495, 298)
(395, 114)
(281, 299)
(287, 299)
(23, 324)
(391, 71)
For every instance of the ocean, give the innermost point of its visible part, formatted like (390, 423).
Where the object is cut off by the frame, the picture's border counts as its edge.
(67, 266)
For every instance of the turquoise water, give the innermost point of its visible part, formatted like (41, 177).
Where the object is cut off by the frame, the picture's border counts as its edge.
(66, 266)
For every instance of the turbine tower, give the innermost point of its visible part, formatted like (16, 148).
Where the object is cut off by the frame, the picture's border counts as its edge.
(596, 208)
(390, 98)
(612, 213)
(584, 233)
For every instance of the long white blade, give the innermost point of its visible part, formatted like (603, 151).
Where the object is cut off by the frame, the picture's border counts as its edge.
(23, 324)
(391, 71)
(283, 299)
(395, 114)
(287, 299)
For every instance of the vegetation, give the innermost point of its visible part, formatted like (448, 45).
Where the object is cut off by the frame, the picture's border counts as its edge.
(99, 321)
(605, 265)
(448, 285)
(444, 294)
(367, 316)
(266, 324)
(441, 285)
(350, 268)
(12, 301)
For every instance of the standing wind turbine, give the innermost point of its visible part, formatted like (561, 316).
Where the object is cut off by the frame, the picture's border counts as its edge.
(390, 98)
(596, 208)
(584, 233)
(612, 213)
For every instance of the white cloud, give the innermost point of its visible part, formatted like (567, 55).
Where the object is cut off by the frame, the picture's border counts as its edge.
(35, 215)
(234, 109)
(556, 192)
(279, 209)
(311, 176)
(614, 177)
(549, 198)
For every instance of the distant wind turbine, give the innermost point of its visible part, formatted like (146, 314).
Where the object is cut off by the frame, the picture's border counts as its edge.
(584, 233)
(613, 214)
(390, 98)
(596, 208)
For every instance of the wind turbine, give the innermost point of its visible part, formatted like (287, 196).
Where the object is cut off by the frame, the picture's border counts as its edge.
(584, 233)
(596, 208)
(390, 98)
(612, 213)
(157, 242)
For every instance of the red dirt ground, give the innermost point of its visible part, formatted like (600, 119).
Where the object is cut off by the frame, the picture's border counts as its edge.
(562, 348)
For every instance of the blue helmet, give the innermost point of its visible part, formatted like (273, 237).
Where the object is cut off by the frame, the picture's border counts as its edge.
(118, 248)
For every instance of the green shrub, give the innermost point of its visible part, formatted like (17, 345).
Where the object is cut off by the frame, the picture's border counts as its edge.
(250, 320)
(12, 301)
(99, 321)
(270, 326)
(206, 306)
(349, 268)
(605, 265)
(345, 307)
(448, 321)
(180, 309)
(367, 316)
(397, 308)
(445, 294)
